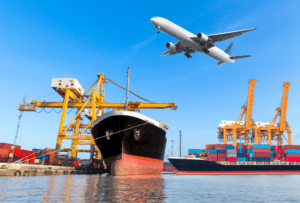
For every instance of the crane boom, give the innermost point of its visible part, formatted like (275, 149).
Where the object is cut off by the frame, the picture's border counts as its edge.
(250, 104)
(285, 93)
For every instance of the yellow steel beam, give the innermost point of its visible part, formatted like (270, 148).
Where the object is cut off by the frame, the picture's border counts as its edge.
(248, 117)
(70, 137)
(78, 113)
(86, 142)
(90, 88)
(286, 86)
(131, 105)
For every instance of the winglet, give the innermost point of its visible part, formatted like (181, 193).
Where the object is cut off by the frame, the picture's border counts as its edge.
(229, 48)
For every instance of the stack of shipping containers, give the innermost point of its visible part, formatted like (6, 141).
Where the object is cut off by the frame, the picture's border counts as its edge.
(168, 167)
(241, 153)
(262, 152)
(256, 152)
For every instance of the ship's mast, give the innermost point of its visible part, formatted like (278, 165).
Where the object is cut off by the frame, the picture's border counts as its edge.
(127, 90)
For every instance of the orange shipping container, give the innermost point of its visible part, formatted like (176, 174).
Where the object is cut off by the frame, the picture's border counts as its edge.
(262, 150)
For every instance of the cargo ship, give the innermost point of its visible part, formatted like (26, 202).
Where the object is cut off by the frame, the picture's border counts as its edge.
(130, 143)
(242, 160)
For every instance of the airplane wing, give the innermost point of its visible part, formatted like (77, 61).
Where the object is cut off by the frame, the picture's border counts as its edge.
(227, 35)
(180, 48)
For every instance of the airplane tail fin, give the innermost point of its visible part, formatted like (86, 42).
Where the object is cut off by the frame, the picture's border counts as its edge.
(228, 49)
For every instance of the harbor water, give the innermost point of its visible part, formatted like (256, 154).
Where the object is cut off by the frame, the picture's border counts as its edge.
(165, 188)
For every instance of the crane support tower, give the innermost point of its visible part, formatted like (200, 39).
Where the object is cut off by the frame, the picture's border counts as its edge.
(239, 129)
(92, 103)
(271, 131)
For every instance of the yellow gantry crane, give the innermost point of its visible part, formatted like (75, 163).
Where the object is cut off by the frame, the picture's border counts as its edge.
(240, 129)
(274, 130)
(94, 104)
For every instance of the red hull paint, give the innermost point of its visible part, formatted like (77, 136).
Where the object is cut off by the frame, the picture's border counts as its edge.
(135, 165)
(236, 172)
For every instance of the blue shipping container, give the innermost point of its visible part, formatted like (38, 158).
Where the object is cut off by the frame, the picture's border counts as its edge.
(37, 151)
(251, 154)
(250, 151)
(293, 151)
(167, 164)
(251, 159)
(261, 146)
(241, 159)
(241, 155)
(212, 151)
(195, 151)
(169, 170)
(261, 159)
(221, 151)
(229, 147)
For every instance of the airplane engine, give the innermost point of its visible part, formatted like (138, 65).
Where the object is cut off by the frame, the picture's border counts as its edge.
(171, 46)
(202, 37)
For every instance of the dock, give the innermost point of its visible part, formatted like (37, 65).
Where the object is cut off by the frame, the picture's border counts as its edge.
(12, 169)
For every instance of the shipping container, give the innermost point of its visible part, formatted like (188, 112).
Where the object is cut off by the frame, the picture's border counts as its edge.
(249, 146)
(261, 146)
(229, 147)
(241, 158)
(292, 159)
(210, 146)
(212, 151)
(261, 158)
(290, 146)
(222, 158)
(209, 155)
(196, 151)
(221, 151)
(262, 150)
(3, 159)
(231, 158)
(231, 151)
(261, 154)
(231, 155)
(249, 154)
(241, 155)
(165, 164)
(249, 150)
(292, 155)
(169, 171)
(222, 155)
(292, 151)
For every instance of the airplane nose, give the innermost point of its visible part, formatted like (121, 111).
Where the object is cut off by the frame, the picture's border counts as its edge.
(153, 21)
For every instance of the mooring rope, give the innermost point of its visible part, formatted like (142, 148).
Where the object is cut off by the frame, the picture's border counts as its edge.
(121, 131)
(27, 157)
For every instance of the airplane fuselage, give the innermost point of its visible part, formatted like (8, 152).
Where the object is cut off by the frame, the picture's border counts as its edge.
(185, 37)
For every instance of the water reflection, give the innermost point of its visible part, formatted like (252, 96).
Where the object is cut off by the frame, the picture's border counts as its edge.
(125, 188)
(50, 189)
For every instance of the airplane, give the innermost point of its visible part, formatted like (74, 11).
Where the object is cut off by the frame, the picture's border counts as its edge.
(190, 43)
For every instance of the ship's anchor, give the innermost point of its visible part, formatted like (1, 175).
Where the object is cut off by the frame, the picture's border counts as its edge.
(137, 134)
(108, 134)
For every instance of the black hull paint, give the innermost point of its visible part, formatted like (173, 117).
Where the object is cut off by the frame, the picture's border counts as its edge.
(152, 143)
(193, 165)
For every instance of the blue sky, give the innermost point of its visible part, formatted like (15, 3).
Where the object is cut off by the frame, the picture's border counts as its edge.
(44, 40)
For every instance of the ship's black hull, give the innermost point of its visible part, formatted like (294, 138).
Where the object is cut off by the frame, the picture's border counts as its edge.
(124, 146)
(198, 166)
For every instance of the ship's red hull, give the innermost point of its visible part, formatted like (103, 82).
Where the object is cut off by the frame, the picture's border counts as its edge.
(236, 172)
(125, 164)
